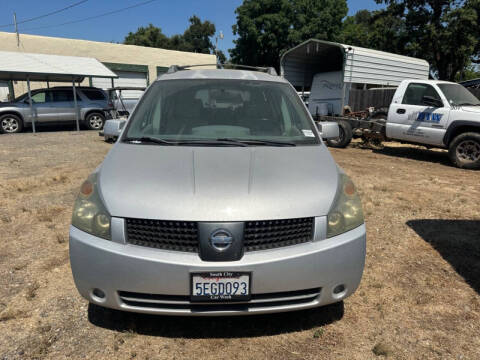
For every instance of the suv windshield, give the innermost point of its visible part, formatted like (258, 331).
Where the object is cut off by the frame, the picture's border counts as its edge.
(458, 95)
(249, 112)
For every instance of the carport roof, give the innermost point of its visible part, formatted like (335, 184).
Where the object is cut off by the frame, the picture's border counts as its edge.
(42, 67)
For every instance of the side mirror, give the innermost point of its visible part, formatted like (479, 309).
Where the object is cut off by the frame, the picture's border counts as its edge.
(431, 101)
(328, 130)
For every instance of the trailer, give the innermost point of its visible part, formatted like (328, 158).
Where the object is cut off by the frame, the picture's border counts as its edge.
(330, 71)
(338, 76)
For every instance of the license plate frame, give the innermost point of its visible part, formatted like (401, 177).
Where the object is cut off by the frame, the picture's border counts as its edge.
(220, 297)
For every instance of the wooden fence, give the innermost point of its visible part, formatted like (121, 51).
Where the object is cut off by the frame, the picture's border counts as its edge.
(362, 99)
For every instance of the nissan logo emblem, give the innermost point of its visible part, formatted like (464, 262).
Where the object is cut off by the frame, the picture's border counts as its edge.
(221, 240)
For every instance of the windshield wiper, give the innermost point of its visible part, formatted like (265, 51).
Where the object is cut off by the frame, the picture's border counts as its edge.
(247, 142)
(148, 139)
(467, 104)
(197, 142)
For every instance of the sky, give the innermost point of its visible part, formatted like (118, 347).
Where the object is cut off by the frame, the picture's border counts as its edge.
(170, 15)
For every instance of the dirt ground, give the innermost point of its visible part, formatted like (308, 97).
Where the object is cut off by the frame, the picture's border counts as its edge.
(419, 297)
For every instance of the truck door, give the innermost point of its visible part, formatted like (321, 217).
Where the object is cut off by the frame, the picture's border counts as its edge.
(421, 117)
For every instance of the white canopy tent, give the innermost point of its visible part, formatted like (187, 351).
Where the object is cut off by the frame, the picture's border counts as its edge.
(40, 67)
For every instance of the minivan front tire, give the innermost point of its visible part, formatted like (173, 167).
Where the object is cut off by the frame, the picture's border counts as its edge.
(10, 124)
(95, 121)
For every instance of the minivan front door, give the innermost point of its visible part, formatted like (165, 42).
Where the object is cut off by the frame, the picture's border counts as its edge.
(421, 117)
(42, 106)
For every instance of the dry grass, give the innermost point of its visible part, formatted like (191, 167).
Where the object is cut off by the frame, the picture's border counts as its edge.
(419, 297)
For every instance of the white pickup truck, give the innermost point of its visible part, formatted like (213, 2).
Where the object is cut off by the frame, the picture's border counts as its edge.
(426, 112)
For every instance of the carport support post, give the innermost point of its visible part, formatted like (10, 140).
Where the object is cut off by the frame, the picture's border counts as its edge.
(32, 115)
(75, 104)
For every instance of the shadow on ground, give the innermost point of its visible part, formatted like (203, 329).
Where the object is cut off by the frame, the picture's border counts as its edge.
(458, 241)
(214, 327)
(418, 154)
(69, 126)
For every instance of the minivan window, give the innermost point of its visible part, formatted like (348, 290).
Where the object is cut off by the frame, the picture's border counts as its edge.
(41, 97)
(62, 95)
(212, 109)
(93, 94)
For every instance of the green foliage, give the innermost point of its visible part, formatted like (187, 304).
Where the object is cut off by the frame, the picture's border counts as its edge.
(266, 28)
(151, 36)
(196, 37)
(222, 59)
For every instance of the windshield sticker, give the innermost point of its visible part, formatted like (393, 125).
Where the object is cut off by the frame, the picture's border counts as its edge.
(308, 133)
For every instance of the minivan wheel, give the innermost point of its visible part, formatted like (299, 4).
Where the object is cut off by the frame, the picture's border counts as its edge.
(464, 151)
(10, 124)
(95, 121)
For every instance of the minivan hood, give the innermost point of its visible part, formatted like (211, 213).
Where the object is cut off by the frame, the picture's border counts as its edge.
(218, 183)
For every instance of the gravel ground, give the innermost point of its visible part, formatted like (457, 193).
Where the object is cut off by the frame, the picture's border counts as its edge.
(419, 297)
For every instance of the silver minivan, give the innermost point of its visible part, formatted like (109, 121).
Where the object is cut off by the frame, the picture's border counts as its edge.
(219, 198)
(56, 106)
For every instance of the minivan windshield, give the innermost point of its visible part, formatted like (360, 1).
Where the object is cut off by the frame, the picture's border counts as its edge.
(209, 111)
(458, 95)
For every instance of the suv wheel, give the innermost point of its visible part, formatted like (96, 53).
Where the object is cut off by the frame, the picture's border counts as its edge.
(10, 124)
(95, 121)
(464, 150)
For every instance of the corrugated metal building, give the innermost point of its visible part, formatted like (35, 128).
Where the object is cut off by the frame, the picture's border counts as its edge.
(331, 70)
(135, 66)
(358, 65)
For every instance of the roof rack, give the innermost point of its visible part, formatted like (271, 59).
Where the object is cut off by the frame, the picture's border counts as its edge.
(269, 70)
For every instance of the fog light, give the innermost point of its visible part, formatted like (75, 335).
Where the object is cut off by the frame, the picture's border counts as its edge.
(98, 293)
(339, 289)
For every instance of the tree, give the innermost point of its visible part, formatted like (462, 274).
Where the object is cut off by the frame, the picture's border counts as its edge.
(440, 31)
(357, 29)
(266, 28)
(262, 28)
(318, 19)
(150, 36)
(222, 59)
(196, 37)
(378, 30)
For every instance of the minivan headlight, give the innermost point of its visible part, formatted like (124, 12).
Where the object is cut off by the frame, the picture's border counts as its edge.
(89, 213)
(346, 213)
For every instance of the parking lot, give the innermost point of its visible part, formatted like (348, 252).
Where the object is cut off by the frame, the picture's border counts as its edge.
(419, 297)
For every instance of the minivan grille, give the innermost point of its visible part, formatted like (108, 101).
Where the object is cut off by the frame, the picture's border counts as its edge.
(183, 235)
(262, 235)
(167, 235)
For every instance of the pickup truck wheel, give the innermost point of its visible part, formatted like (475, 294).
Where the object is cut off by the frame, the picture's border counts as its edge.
(95, 121)
(346, 134)
(10, 124)
(464, 150)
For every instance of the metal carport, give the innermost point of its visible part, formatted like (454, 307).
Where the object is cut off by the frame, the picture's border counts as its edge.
(28, 67)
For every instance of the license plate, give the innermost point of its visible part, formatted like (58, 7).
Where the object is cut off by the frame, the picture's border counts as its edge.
(220, 286)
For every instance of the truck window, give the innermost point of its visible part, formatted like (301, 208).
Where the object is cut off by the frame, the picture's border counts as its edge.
(415, 93)
(458, 95)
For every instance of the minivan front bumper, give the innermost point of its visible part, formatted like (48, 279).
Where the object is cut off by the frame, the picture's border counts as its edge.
(134, 278)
